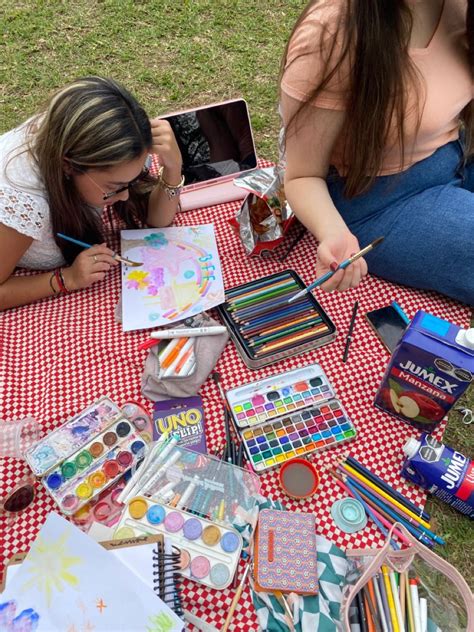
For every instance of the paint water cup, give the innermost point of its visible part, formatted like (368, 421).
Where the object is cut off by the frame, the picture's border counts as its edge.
(17, 436)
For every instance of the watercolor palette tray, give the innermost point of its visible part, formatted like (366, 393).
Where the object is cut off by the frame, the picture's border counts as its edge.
(288, 415)
(266, 328)
(203, 485)
(95, 466)
(72, 435)
(210, 552)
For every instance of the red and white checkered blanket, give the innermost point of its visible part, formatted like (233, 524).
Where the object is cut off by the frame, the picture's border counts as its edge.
(60, 354)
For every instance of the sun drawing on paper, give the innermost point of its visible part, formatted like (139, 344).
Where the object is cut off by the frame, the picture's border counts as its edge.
(178, 276)
(48, 564)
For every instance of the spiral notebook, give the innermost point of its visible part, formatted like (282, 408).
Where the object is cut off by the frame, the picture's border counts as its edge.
(152, 559)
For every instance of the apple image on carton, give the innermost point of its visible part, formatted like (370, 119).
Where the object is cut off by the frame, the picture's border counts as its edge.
(411, 405)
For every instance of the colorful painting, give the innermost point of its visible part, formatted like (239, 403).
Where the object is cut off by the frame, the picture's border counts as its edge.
(69, 583)
(180, 276)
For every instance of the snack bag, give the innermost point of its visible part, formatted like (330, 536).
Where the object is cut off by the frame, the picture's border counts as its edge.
(265, 215)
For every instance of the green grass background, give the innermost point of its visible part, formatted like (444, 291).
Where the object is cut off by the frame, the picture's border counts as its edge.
(176, 55)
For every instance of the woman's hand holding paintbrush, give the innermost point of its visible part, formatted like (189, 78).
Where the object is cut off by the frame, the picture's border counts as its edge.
(345, 274)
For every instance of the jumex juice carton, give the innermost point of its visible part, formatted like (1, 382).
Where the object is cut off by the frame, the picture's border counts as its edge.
(431, 367)
(445, 473)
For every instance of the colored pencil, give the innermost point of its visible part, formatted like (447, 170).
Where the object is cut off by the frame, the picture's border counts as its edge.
(386, 487)
(396, 601)
(260, 340)
(256, 293)
(308, 335)
(342, 266)
(378, 598)
(362, 613)
(402, 594)
(382, 493)
(267, 295)
(415, 604)
(386, 608)
(349, 333)
(280, 323)
(265, 306)
(272, 313)
(351, 492)
(391, 604)
(426, 536)
(410, 618)
(393, 516)
(263, 282)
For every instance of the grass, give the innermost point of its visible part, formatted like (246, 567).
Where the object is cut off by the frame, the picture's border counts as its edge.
(175, 55)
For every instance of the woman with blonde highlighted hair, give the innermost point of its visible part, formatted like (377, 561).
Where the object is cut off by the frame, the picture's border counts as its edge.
(88, 148)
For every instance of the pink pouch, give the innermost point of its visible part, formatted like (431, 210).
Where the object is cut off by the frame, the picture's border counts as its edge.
(449, 600)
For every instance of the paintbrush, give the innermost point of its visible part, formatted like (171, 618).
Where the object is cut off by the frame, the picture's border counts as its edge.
(128, 262)
(341, 266)
(236, 598)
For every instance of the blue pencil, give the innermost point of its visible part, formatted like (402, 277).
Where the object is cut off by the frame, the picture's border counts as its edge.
(128, 262)
(341, 266)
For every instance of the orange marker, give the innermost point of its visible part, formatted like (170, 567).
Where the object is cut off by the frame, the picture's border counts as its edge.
(173, 354)
(183, 360)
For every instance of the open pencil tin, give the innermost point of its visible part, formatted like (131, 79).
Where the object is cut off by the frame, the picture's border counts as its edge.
(320, 330)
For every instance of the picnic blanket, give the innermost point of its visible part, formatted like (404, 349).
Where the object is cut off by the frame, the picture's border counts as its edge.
(58, 355)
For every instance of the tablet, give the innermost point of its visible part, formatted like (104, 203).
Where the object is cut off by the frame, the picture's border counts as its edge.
(216, 143)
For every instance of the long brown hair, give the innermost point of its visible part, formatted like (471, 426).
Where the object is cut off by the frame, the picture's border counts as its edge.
(376, 37)
(94, 123)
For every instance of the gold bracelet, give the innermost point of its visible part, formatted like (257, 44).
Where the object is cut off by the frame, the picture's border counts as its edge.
(172, 190)
(55, 292)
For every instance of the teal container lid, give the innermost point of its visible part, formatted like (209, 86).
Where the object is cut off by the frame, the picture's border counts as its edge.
(349, 515)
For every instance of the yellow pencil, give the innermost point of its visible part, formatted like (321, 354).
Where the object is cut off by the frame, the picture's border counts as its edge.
(382, 493)
(391, 603)
(410, 617)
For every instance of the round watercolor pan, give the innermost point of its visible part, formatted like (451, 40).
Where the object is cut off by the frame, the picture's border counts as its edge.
(209, 552)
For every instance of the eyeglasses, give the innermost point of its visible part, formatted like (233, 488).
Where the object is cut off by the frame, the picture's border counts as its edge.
(20, 497)
(132, 183)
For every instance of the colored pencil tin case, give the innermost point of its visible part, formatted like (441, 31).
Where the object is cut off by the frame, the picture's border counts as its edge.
(266, 328)
(285, 558)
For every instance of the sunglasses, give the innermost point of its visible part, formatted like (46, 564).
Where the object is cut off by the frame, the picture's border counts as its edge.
(20, 497)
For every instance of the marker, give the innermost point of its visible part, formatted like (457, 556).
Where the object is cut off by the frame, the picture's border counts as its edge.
(415, 604)
(171, 368)
(188, 332)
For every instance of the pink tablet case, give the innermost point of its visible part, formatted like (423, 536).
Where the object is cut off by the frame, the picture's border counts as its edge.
(285, 552)
(215, 191)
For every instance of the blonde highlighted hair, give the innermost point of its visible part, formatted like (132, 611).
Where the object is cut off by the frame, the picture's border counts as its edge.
(93, 123)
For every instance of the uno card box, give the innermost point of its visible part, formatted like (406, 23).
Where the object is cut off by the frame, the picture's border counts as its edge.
(184, 415)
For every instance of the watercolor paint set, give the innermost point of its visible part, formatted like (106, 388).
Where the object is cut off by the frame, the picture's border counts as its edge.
(266, 328)
(288, 415)
(93, 468)
(90, 452)
(209, 552)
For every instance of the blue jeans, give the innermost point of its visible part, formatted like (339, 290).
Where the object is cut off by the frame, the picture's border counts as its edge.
(426, 215)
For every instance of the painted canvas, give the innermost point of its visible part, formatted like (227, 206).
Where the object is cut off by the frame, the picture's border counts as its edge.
(69, 583)
(180, 275)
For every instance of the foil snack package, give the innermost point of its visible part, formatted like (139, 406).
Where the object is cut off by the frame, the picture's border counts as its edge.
(265, 215)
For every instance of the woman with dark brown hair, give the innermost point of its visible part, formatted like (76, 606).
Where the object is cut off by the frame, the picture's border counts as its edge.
(376, 100)
(87, 148)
